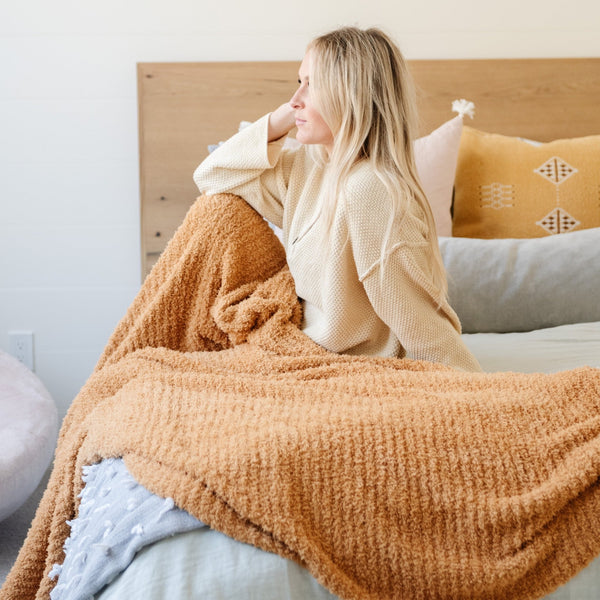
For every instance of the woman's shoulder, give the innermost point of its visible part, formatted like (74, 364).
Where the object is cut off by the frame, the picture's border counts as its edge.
(363, 182)
(369, 206)
(364, 193)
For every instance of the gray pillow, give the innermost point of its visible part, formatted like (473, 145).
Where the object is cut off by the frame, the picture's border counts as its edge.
(505, 285)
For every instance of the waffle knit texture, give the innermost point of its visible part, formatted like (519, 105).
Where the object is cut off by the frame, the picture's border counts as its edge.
(351, 305)
(385, 477)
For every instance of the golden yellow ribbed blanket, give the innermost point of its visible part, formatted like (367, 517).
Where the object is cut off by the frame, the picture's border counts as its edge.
(386, 478)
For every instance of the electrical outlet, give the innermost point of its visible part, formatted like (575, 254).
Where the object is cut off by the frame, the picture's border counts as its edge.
(20, 345)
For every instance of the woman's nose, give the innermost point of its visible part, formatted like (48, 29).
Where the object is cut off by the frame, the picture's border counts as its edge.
(296, 100)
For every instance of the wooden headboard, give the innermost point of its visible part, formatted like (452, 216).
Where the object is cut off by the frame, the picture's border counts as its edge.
(184, 107)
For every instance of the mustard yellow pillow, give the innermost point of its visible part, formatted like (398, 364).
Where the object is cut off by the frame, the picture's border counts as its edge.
(506, 187)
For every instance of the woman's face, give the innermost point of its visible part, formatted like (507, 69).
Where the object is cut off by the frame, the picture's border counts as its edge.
(312, 129)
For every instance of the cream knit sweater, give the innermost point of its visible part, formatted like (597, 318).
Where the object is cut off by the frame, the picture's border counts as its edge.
(348, 307)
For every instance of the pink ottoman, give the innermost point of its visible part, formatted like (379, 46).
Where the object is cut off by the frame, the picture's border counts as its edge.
(28, 430)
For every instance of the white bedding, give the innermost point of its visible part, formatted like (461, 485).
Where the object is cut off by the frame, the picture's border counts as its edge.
(206, 564)
(543, 350)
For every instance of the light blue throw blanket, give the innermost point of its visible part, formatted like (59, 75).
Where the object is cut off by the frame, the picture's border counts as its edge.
(117, 517)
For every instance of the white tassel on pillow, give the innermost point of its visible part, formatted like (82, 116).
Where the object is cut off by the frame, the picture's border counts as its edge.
(464, 107)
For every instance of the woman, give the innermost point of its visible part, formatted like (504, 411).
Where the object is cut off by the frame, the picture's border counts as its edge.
(358, 231)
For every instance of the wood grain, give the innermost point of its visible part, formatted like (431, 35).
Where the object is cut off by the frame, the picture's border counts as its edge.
(184, 107)
(541, 99)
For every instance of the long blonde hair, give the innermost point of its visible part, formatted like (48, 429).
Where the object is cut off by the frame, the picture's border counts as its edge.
(364, 92)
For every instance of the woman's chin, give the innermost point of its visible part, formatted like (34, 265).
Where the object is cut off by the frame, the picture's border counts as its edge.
(301, 138)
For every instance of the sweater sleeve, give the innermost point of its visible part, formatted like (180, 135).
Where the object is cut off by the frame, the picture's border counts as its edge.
(251, 167)
(403, 298)
(402, 292)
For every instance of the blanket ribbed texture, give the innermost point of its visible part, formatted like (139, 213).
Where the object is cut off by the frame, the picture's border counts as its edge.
(386, 478)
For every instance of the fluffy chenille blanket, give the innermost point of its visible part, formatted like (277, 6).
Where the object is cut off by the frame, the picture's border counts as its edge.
(386, 478)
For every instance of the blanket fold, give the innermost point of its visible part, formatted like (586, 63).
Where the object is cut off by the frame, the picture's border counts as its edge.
(386, 478)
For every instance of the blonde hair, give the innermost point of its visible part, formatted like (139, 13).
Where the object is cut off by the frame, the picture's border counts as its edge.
(364, 92)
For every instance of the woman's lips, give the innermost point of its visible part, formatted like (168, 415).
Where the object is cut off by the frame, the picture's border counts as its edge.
(300, 122)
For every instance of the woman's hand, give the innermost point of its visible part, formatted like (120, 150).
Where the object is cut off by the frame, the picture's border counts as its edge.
(281, 121)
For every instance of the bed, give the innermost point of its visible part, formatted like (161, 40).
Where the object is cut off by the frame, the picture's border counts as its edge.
(524, 285)
(525, 98)
(187, 108)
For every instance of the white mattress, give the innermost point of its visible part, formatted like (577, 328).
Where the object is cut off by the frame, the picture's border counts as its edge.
(544, 350)
(207, 564)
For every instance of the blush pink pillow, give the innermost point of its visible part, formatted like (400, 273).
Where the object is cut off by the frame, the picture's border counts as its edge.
(436, 156)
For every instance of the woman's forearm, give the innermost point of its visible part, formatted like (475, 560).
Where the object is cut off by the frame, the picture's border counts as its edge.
(281, 121)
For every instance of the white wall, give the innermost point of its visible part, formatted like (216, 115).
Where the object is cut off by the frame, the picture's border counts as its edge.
(69, 224)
